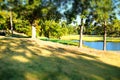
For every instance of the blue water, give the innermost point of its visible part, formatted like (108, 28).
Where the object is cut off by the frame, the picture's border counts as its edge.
(114, 46)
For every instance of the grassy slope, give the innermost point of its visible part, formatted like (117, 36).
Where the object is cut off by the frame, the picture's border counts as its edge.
(26, 59)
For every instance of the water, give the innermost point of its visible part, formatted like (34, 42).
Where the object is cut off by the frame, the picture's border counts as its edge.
(114, 46)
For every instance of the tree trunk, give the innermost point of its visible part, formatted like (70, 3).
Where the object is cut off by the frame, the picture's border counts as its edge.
(33, 32)
(11, 23)
(81, 34)
(105, 34)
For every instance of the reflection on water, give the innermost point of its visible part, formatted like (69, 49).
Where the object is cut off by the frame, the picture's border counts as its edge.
(115, 46)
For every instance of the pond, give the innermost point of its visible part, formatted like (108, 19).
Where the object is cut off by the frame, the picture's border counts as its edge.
(114, 46)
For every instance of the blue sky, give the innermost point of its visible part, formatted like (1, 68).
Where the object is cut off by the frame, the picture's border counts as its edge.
(69, 5)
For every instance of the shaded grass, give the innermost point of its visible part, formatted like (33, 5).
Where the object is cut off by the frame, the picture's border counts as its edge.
(24, 59)
(18, 35)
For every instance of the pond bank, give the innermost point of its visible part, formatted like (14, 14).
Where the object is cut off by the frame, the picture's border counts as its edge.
(74, 39)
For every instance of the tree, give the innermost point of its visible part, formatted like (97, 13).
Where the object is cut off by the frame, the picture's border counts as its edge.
(103, 10)
(53, 29)
(11, 7)
(6, 5)
(3, 17)
(31, 12)
(78, 7)
(39, 9)
(114, 29)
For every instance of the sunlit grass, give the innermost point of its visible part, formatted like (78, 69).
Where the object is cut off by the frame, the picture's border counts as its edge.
(65, 41)
(90, 38)
(74, 39)
(20, 58)
(26, 59)
(85, 37)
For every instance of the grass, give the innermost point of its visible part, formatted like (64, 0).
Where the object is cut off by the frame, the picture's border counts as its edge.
(71, 39)
(66, 42)
(91, 38)
(27, 59)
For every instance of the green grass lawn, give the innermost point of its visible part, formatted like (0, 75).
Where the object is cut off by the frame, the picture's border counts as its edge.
(69, 40)
(66, 42)
(26, 59)
(90, 38)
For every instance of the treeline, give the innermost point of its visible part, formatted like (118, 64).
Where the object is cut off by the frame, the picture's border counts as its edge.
(52, 28)
(46, 17)
(113, 29)
(47, 28)
(42, 14)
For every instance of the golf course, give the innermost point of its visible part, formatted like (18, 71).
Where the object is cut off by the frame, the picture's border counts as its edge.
(59, 39)
(34, 59)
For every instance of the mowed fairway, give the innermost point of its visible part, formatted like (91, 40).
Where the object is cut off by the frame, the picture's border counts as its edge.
(27, 59)
(90, 38)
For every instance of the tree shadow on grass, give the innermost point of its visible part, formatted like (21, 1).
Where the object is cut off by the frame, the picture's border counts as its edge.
(23, 59)
(20, 36)
(15, 35)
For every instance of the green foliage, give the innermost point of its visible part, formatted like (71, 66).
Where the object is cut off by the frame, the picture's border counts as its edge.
(45, 15)
(53, 29)
(22, 26)
(72, 29)
(89, 30)
(105, 17)
(103, 9)
(3, 17)
(114, 28)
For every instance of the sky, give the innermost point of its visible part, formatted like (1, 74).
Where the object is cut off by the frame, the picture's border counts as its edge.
(117, 15)
(78, 16)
